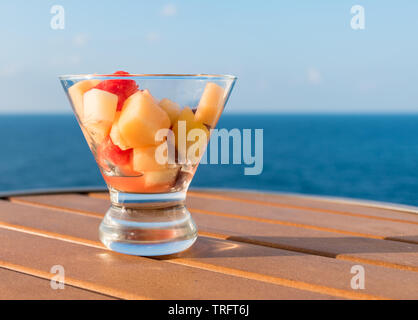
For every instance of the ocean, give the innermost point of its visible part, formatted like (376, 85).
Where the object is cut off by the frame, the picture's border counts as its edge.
(371, 157)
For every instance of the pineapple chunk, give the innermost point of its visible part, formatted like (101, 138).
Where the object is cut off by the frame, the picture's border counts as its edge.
(76, 92)
(210, 105)
(116, 136)
(188, 117)
(173, 109)
(99, 106)
(161, 178)
(140, 120)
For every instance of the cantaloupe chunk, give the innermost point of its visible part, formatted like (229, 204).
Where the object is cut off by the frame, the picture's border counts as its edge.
(173, 109)
(144, 160)
(140, 120)
(161, 177)
(190, 122)
(187, 116)
(98, 131)
(153, 158)
(99, 106)
(148, 94)
(116, 136)
(76, 92)
(136, 184)
(211, 104)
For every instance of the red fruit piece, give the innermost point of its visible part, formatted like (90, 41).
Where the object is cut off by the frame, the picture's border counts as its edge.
(122, 73)
(122, 88)
(112, 153)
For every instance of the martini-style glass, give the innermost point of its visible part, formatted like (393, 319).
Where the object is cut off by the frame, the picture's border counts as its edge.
(147, 134)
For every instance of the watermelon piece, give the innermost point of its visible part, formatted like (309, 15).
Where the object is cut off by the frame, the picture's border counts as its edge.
(120, 72)
(122, 88)
(112, 153)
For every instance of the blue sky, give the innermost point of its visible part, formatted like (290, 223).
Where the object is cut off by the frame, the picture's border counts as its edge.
(289, 56)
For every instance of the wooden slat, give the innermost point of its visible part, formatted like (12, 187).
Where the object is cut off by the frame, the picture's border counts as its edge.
(132, 277)
(391, 254)
(343, 224)
(19, 286)
(53, 221)
(366, 209)
(72, 202)
(287, 236)
(103, 195)
(360, 224)
(310, 269)
(296, 269)
(374, 210)
(348, 225)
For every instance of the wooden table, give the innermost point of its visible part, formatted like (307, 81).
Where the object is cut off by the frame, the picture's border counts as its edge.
(251, 246)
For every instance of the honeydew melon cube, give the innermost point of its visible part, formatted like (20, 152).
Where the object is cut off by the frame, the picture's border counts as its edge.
(173, 109)
(210, 105)
(76, 92)
(116, 136)
(99, 106)
(140, 120)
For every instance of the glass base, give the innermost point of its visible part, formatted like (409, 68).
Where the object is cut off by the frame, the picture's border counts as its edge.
(147, 224)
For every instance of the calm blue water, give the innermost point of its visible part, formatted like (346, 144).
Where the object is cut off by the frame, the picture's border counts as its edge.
(370, 157)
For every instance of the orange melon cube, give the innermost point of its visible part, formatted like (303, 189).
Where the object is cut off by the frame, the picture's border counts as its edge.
(173, 109)
(98, 131)
(116, 136)
(165, 177)
(137, 184)
(210, 105)
(76, 92)
(187, 118)
(140, 120)
(144, 160)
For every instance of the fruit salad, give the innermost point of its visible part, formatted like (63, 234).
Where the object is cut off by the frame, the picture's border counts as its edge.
(122, 121)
